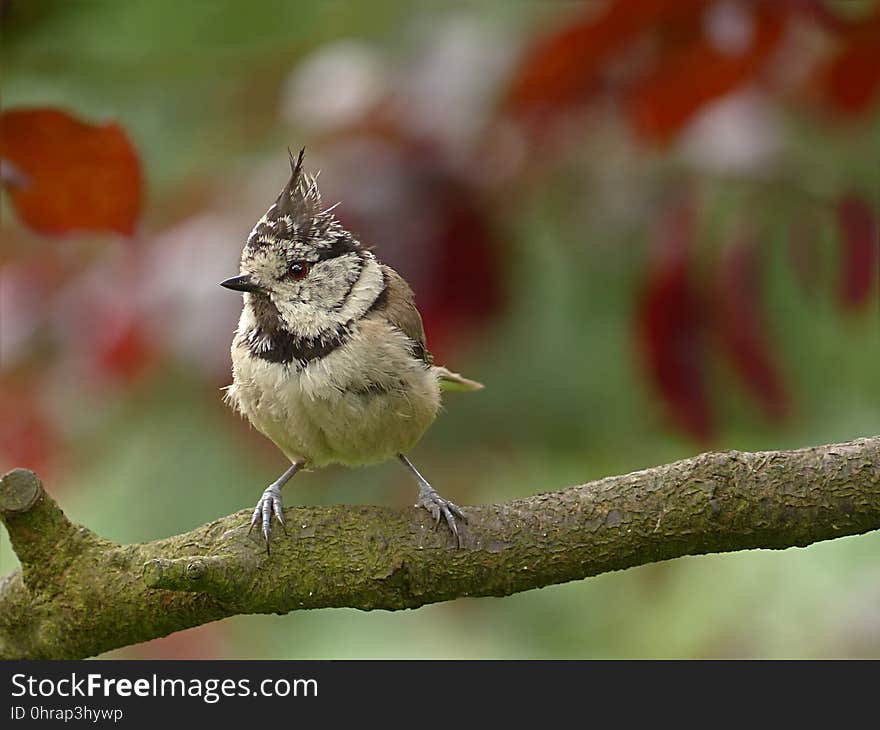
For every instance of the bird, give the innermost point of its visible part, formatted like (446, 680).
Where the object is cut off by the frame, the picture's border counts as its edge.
(329, 359)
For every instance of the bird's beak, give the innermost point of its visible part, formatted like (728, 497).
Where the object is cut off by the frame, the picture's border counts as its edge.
(241, 283)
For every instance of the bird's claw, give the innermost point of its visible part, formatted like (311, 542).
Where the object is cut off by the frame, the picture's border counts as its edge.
(268, 504)
(439, 507)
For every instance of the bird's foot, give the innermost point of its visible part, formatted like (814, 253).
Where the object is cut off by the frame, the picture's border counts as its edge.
(269, 504)
(439, 507)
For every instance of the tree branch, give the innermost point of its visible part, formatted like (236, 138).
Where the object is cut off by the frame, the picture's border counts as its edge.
(78, 595)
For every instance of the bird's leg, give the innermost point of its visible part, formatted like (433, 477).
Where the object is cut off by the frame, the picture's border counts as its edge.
(270, 503)
(434, 503)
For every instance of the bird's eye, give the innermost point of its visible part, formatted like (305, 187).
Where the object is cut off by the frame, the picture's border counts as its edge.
(298, 270)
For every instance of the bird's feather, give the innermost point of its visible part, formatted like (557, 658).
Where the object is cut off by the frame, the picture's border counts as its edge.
(397, 304)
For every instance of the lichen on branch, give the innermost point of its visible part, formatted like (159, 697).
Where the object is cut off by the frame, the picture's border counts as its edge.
(78, 594)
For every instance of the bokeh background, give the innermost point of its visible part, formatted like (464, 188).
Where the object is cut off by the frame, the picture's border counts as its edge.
(650, 228)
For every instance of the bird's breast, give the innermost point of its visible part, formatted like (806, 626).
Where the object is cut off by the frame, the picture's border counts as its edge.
(364, 402)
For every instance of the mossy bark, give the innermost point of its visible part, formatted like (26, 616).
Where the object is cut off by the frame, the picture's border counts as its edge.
(79, 595)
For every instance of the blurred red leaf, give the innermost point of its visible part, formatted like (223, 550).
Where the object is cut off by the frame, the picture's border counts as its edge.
(860, 249)
(564, 67)
(740, 327)
(465, 295)
(820, 13)
(27, 436)
(688, 77)
(670, 325)
(852, 79)
(125, 352)
(67, 175)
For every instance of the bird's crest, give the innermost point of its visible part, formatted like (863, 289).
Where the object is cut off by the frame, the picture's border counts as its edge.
(300, 198)
(296, 212)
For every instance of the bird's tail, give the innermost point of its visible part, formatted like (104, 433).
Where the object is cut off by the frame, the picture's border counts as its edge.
(450, 381)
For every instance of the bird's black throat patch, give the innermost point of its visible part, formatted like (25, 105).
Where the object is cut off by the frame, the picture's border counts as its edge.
(271, 342)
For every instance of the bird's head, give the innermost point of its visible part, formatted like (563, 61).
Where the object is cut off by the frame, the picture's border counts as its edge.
(299, 265)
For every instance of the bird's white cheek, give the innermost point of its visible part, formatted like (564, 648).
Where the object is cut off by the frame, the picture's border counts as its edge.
(364, 291)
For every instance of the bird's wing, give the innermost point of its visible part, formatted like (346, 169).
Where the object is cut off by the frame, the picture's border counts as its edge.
(398, 306)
